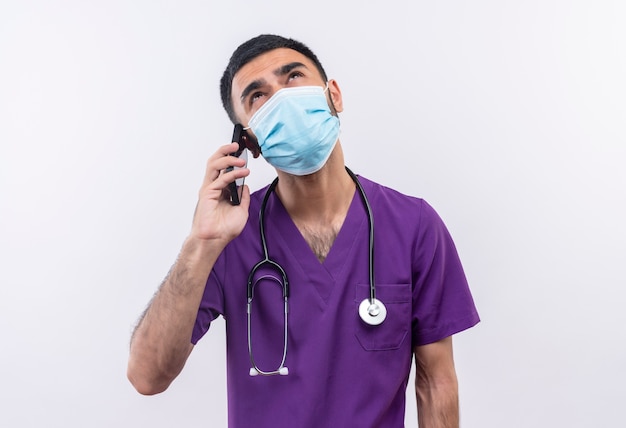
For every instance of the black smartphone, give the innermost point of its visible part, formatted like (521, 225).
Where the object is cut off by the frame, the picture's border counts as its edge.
(235, 188)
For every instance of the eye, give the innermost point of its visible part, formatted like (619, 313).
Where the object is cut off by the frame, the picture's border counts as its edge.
(254, 97)
(295, 74)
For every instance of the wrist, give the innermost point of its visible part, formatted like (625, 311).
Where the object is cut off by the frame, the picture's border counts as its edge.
(196, 248)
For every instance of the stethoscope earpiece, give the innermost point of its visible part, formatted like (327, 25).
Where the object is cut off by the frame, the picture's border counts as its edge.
(283, 371)
(372, 312)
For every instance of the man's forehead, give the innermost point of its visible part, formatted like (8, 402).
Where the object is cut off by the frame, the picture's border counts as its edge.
(266, 63)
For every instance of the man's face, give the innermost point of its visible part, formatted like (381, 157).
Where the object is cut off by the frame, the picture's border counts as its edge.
(259, 79)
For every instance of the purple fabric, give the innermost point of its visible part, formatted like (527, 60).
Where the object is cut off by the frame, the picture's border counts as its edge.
(342, 372)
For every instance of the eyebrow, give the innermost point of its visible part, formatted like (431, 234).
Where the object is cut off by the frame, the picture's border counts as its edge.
(280, 71)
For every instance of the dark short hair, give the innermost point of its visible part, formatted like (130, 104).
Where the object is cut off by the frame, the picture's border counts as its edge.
(251, 49)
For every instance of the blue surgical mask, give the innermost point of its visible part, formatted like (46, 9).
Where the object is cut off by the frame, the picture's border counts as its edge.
(296, 130)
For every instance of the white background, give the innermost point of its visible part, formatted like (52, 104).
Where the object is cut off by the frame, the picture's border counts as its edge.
(508, 117)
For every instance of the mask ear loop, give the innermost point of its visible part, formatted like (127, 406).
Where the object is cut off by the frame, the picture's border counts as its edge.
(334, 111)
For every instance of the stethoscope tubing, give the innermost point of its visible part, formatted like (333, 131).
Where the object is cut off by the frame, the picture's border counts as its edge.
(370, 219)
(255, 370)
(369, 310)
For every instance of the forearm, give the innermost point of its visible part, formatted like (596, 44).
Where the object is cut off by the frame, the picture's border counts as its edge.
(161, 342)
(437, 403)
(436, 386)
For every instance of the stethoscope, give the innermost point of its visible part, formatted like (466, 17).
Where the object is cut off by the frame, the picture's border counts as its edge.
(371, 310)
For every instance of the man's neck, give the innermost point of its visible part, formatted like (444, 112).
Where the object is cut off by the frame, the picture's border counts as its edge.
(321, 197)
(318, 203)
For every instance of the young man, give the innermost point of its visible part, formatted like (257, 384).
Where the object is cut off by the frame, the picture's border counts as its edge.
(328, 283)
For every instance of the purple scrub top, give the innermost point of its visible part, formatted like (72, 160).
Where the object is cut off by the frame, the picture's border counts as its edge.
(342, 372)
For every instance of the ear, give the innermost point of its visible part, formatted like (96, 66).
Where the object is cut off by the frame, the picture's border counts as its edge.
(335, 95)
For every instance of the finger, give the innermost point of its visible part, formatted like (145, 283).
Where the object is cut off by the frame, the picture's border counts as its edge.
(220, 160)
(217, 188)
(245, 196)
(227, 177)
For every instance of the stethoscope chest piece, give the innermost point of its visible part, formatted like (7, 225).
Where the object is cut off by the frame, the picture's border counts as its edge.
(372, 312)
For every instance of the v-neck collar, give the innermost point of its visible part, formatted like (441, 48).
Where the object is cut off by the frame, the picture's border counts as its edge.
(297, 253)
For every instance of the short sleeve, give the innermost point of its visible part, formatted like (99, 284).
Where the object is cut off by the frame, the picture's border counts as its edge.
(212, 304)
(442, 302)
